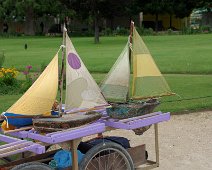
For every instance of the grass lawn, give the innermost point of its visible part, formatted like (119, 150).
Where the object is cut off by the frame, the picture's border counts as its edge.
(192, 93)
(188, 54)
(173, 54)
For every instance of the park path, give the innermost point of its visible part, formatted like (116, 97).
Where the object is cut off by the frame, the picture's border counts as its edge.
(185, 141)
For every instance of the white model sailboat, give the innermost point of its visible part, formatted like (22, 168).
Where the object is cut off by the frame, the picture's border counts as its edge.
(147, 82)
(82, 94)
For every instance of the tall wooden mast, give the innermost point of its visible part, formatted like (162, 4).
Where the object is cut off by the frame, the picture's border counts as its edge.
(130, 51)
(62, 70)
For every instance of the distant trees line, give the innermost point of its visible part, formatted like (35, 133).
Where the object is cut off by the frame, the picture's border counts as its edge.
(94, 10)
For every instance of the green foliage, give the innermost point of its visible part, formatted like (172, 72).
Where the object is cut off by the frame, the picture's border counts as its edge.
(205, 29)
(107, 32)
(2, 58)
(8, 76)
(9, 89)
(145, 31)
(121, 31)
(29, 78)
(202, 30)
(8, 81)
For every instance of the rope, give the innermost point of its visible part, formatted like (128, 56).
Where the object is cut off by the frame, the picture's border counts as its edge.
(3, 114)
(62, 46)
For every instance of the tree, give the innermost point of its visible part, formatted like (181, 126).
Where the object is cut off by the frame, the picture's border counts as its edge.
(96, 10)
(154, 7)
(28, 10)
(183, 8)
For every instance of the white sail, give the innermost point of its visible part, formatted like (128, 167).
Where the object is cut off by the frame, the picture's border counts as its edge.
(115, 86)
(81, 89)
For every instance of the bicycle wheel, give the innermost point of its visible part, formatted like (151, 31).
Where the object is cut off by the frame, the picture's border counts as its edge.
(32, 166)
(107, 156)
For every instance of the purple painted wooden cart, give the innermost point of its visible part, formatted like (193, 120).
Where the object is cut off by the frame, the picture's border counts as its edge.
(16, 142)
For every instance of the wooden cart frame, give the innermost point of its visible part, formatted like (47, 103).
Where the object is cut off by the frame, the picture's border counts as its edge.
(17, 143)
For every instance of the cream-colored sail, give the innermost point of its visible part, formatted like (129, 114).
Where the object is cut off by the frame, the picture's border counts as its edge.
(148, 81)
(115, 86)
(39, 98)
(81, 89)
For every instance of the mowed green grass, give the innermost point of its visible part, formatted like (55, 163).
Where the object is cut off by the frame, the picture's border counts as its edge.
(190, 54)
(193, 93)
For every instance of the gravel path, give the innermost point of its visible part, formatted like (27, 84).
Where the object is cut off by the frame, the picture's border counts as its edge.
(185, 141)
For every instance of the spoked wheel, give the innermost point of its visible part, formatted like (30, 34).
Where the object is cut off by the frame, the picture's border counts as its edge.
(32, 166)
(107, 156)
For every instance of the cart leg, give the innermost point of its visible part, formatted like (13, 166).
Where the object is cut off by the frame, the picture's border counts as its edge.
(74, 145)
(156, 144)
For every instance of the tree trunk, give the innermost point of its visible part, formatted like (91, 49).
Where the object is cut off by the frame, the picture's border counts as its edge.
(170, 21)
(96, 23)
(29, 23)
(156, 22)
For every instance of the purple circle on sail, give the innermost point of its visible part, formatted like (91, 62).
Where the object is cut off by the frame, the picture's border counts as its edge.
(74, 61)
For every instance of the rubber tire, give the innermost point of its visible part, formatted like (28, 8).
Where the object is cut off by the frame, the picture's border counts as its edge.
(32, 166)
(102, 146)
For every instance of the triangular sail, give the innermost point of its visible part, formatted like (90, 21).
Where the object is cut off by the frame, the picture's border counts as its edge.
(39, 98)
(81, 89)
(115, 86)
(148, 81)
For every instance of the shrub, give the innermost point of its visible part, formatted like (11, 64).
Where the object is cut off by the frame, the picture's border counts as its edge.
(8, 82)
(30, 79)
(8, 76)
(121, 31)
(2, 58)
(170, 31)
(9, 89)
(145, 31)
(205, 29)
(25, 85)
(107, 32)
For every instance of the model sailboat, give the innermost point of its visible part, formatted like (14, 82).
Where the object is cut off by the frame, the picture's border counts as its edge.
(147, 82)
(36, 101)
(82, 95)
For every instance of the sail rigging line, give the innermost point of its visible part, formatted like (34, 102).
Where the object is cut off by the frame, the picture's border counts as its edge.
(89, 109)
(62, 71)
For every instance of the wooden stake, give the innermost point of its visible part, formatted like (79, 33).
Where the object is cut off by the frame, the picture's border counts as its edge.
(17, 130)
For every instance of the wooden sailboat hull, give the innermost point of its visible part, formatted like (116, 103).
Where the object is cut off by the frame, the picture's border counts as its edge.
(131, 109)
(65, 122)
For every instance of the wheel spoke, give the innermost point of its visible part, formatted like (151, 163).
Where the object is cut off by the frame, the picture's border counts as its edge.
(123, 165)
(107, 157)
(119, 162)
(114, 160)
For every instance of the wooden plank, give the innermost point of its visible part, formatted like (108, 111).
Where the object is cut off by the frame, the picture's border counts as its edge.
(17, 130)
(138, 154)
(39, 158)
(139, 117)
(14, 147)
